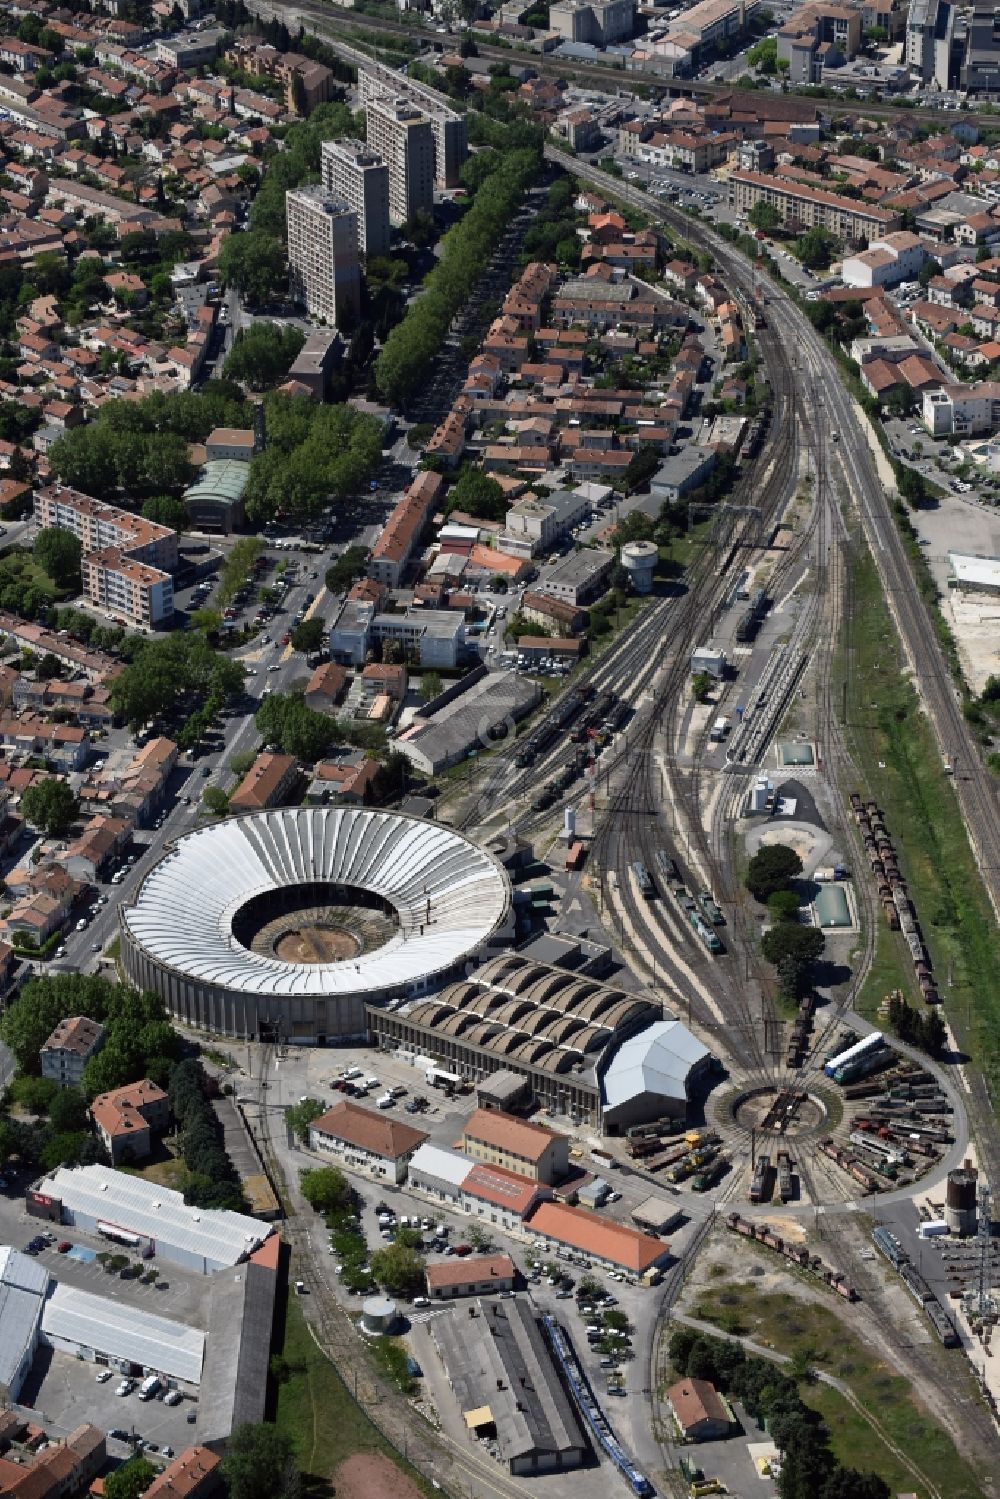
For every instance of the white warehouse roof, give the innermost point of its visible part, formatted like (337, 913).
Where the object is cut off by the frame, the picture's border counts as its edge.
(23, 1284)
(975, 572)
(448, 896)
(125, 1332)
(149, 1211)
(658, 1060)
(447, 1165)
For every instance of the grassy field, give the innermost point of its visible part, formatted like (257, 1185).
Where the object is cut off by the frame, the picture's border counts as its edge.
(316, 1410)
(794, 1326)
(893, 741)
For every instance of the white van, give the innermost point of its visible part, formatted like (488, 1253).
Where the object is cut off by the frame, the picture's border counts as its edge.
(149, 1387)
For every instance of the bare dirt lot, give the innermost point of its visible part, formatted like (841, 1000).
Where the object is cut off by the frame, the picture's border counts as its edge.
(370, 1475)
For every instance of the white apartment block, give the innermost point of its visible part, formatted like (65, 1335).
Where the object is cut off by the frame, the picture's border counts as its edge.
(125, 557)
(804, 207)
(451, 141)
(403, 138)
(127, 589)
(359, 175)
(886, 262)
(323, 269)
(97, 526)
(966, 410)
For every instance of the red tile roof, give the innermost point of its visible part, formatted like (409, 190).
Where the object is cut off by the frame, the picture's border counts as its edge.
(369, 1131)
(592, 1234)
(461, 1272)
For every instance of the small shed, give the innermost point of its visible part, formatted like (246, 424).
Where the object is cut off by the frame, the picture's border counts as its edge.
(593, 1193)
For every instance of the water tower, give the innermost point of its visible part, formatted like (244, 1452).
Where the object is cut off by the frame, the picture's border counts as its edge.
(639, 559)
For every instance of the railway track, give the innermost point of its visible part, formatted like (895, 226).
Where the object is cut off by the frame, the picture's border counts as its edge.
(973, 783)
(605, 75)
(408, 1432)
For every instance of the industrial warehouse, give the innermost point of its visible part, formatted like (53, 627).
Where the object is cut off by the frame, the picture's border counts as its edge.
(584, 1049)
(146, 1217)
(507, 1386)
(223, 1363)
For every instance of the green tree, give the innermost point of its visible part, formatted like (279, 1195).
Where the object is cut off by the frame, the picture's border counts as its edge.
(308, 636)
(764, 55)
(166, 510)
(399, 1269)
(764, 216)
(326, 1189)
(35, 1095)
(772, 868)
(216, 801)
(793, 949)
(476, 493)
(701, 687)
(816, 248)
(262, 355)
(301, 1115)
(50, 806)
(58, 553)
(66, 1148)
(783, 905)
(430, 686)
(284, 719)
(259, 1464)
(254, 263)
(68, 1110)
(347, 569)
(131, 1480)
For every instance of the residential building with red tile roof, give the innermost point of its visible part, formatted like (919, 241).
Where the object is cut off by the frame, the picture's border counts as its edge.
(69, 1048)
(606, 1242)
(501, 1197)
(365, 1141)
(479, 1275)
(270, 782)
(192, 1474)
(516, 1145)
(127, 1118)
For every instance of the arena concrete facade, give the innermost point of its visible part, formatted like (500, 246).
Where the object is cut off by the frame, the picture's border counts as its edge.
(284, 924)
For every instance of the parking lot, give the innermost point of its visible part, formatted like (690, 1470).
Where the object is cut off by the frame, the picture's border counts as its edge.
(65, 1391)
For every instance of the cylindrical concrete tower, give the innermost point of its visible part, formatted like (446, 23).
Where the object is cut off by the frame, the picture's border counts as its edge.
(639, 559)
(379, 1314)
(960, 1202)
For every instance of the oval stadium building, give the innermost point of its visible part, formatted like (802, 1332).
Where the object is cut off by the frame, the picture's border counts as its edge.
(282, 925)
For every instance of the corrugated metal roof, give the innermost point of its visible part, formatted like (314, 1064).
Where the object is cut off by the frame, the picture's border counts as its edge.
(19, 1314)
(448, 894)
(125, 1332)
(657, 1060)
(23, 1285)
(20, 1270)
(158, 1213)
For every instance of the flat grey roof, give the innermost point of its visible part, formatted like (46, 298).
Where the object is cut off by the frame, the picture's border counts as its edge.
(234, 1384)
(576, 567)
(23, 1284)
(499, 1359)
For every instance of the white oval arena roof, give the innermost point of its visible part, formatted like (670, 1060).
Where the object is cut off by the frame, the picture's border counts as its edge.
(449, 896)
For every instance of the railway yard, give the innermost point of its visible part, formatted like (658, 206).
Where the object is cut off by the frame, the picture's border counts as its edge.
(819, 1121)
